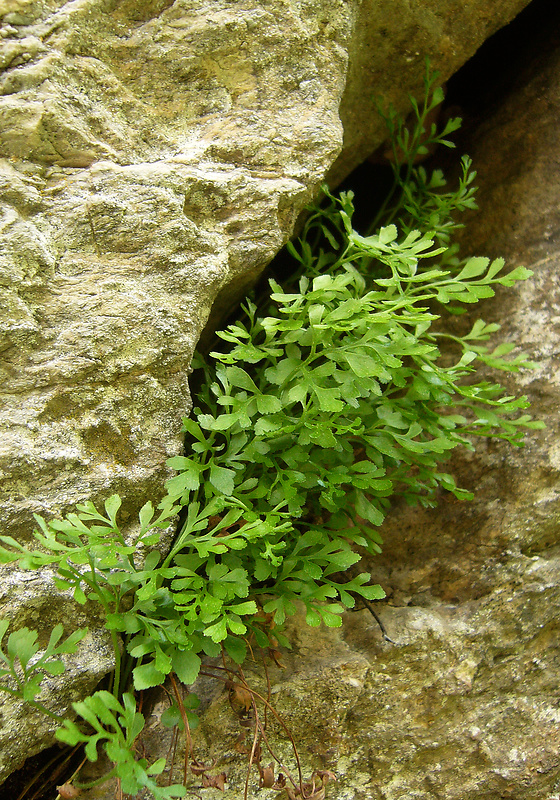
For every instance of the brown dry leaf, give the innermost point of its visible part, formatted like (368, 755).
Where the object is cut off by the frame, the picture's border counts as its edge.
(313, 789)
(276, 655)
(314, 792)
(280, 782)
(215, 781)
(240, 699)
(241, 745)
(67, 791)
(318, 794)
(257, 755)
(267, 776)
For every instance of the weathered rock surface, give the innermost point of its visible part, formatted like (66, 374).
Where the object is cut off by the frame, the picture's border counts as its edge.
(464, 704)
(32, 601)
(154, 157)
(389, 44)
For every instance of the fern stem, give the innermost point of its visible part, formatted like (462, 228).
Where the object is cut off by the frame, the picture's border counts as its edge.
(117, 672)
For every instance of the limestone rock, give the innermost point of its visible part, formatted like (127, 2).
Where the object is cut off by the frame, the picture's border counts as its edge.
(150, 156)
(154, 156)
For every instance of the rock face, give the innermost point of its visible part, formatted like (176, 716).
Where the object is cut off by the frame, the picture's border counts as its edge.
(389, 44)
(154, 157)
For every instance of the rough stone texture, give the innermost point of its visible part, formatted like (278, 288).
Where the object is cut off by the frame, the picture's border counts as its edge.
(154, 157)
(387, 51)
(464, 704)
(31, 600)
(151, 156)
